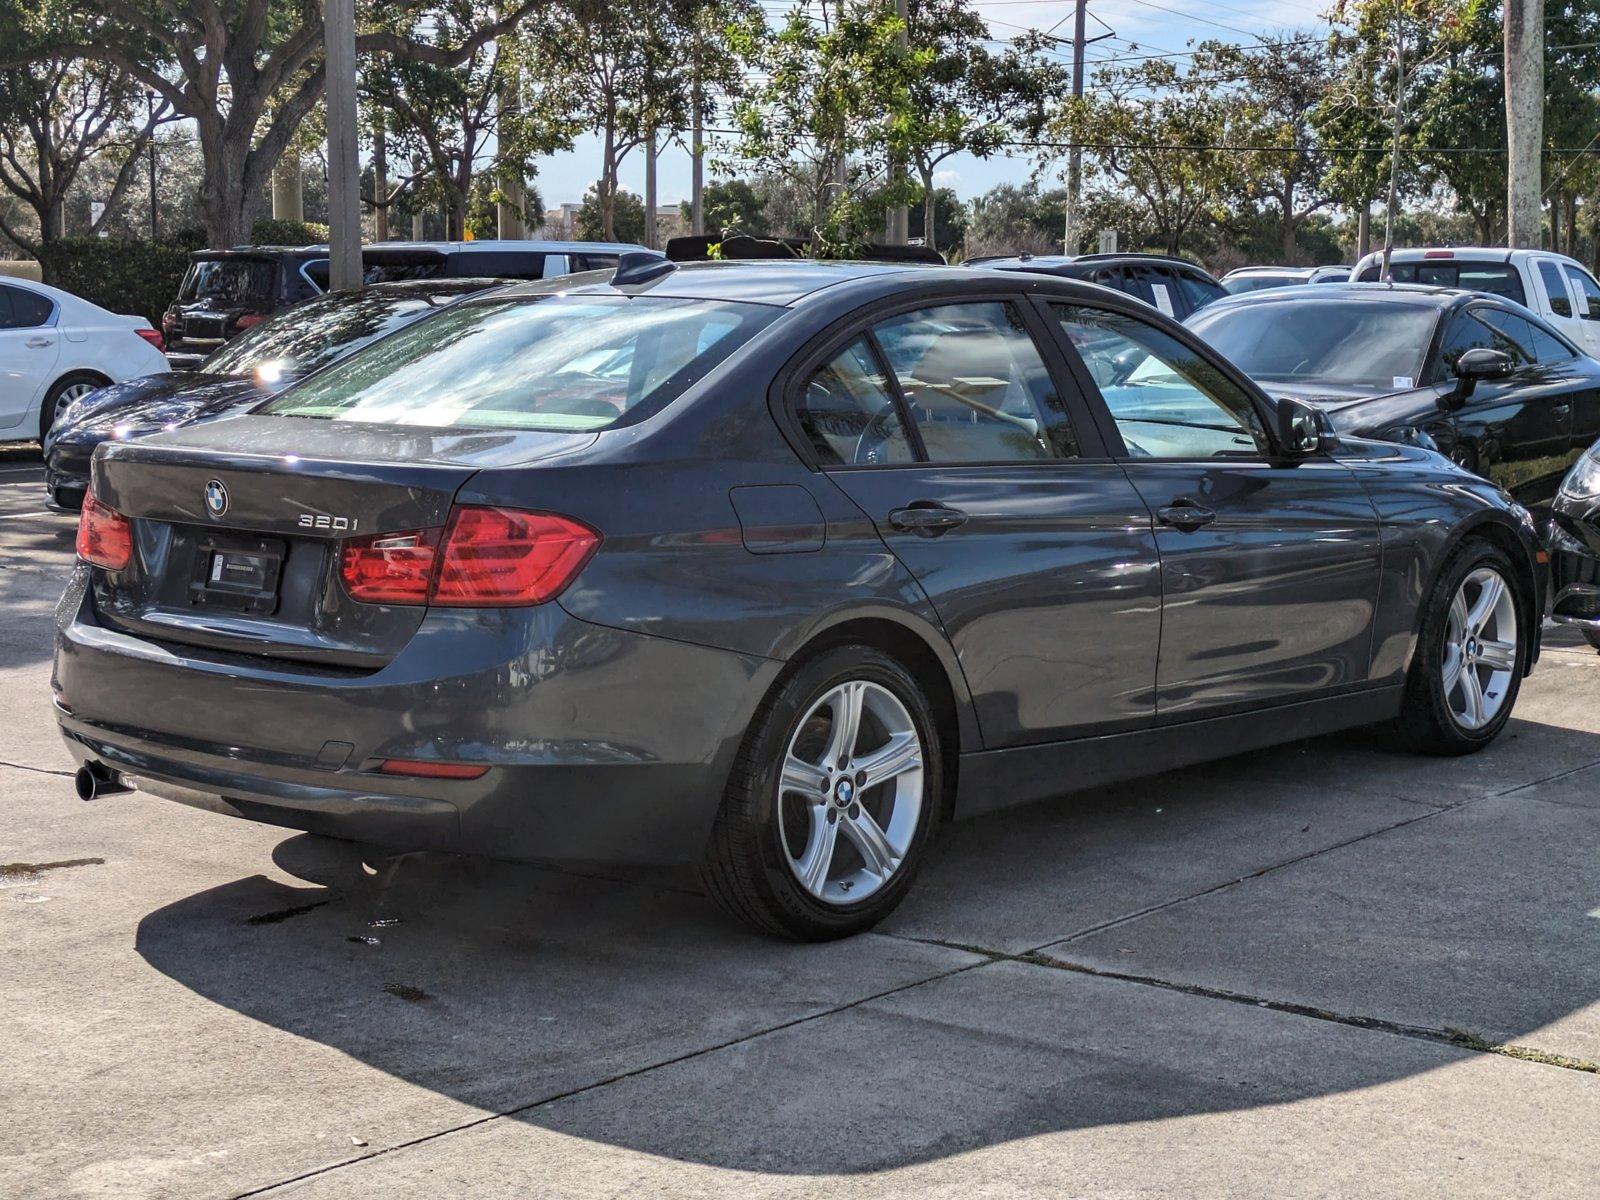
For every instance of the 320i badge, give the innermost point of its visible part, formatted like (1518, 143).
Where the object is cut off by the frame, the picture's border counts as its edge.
(768, 567)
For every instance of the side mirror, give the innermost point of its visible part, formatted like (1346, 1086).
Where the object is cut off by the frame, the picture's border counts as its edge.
(1302, 430)
(1478, 363)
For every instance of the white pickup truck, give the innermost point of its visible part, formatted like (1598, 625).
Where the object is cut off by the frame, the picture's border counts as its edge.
(1558, 288)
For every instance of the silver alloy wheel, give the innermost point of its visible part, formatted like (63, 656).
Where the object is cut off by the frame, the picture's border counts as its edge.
(75, 392)
(1480, 648)
(854, 766)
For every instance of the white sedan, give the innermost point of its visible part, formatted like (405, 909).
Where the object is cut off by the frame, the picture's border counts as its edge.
(55, 348)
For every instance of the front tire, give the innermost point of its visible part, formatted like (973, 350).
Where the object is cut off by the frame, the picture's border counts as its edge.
(831, 802)
(1469, 660)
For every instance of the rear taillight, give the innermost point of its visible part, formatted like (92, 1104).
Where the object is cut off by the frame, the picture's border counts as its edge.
(249, 319)
(105, 536)
(484, 557)
(153, 336)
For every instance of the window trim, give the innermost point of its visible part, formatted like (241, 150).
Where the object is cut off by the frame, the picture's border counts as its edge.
(794, 374)
(1110, 433)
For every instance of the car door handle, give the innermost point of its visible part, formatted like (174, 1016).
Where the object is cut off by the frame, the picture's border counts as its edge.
(40, 343)
(1562, 408)
(927, 520)
(1185, 515)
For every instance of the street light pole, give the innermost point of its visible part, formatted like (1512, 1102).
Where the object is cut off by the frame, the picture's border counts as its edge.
(344, 168)
(150, 102)
(1075, 156)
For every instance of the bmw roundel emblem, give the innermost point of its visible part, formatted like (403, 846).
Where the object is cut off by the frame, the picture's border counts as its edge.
(216, 497)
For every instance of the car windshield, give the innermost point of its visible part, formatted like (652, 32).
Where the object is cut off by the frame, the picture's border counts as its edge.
(229, 281)
(1240, 284)
(1345, 343)
(545, 363)
(315, 333)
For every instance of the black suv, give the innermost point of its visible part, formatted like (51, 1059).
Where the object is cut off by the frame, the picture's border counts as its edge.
(226, 291)
(1176, 286)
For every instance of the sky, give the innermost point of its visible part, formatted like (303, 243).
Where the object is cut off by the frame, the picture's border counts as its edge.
(1155, 26)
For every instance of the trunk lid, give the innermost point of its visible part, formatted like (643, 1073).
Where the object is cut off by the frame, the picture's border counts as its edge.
(238, 525)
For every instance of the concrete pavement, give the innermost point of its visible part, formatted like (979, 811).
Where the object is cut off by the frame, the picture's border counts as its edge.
(1325, 970)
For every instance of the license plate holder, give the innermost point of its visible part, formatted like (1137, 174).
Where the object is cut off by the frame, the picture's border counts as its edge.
(239, 574)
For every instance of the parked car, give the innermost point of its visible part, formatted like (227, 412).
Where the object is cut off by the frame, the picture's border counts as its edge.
(1574, 537)
(1174, 286)
(847, 548)
(1480, 377)
(227, 291)
(1557, 288)
(263, 360)
(1254, 279)
(55, 347)
(510, 259)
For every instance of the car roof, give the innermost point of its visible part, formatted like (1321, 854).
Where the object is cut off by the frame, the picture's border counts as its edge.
(773, 281)
(1045, 261)
(502, 245)
(436, 286)
(1444, 254)
(1413, 295)
(1264, 269)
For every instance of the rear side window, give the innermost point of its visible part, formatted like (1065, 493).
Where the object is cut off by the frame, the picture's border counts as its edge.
(1167, 401)
(1588, 289)
(848, 412)
(975, 386)
(1162, 286)
(595, 262)
(1199, 291)
(22, 309)
(231, 281)
(1555, 288)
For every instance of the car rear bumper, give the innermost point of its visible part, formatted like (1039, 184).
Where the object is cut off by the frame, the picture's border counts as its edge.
(66, 473)
(600, 745)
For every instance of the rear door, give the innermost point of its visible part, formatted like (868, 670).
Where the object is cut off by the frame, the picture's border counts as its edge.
(965, 441)
(1269, 568)
(1554, 301)
(1586, 299)
(30, 346)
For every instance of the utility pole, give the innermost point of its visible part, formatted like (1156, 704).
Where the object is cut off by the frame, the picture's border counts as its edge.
(150, 101)
(697, 141)
(1524, 76)
(344, 167)
(650, 238)
(1074, 235)
(898, 229)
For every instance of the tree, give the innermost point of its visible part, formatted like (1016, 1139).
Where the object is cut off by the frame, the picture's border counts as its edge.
(833, 112)
(627, 217)
(1013, 219)
(245, 73)
(1284, 163)
(949, 220)
(968, 99)
(56, 117)
(731, 206)
(1167, 149)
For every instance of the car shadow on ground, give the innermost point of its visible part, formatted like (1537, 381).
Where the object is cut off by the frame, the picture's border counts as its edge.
(519, 989)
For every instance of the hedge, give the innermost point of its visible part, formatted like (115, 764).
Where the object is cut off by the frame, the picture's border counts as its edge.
(270, 232)
(134, 276)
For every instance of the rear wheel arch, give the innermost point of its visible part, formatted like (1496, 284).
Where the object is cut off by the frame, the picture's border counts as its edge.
(52, 397)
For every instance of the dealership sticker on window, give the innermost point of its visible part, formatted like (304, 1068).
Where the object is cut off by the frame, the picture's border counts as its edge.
(1163, 299)
(1403, 381)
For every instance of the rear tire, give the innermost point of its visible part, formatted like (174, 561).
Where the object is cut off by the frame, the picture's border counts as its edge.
(1592, 636)
(68, 387)
(831, 801)
(1469, 660)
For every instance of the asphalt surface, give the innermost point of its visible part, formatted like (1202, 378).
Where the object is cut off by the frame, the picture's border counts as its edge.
(1324, 970)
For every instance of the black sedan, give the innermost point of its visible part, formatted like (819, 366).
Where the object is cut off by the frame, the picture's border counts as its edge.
(1574, 536)
(1477, 376)
(769, 567)
(265, 360)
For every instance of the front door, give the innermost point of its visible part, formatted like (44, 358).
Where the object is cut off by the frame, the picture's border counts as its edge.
(1269, 568)
(1586, 297)
(978, 465)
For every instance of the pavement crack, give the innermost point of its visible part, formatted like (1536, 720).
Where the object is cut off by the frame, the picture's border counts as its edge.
(36, 770)
(31, 871)
(621, 1076)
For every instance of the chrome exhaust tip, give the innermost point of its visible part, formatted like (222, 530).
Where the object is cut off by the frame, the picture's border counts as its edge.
(92, 780)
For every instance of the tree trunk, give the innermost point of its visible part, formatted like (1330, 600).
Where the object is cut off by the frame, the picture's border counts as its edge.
(1570, 219)
(1364, 231)
(650, 237)
(380, 181)
(1291, 251)
(225, 202)
(288, 188)
(929, 238)
(1555, 222)
(1524, 90)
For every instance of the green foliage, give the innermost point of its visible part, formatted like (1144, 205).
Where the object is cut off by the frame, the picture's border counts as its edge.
(628, 213)
(140, 277)
(731, 206)
(949, 220)
(269, 231)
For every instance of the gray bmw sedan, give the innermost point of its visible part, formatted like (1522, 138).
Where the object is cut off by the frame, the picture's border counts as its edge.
(769, 567)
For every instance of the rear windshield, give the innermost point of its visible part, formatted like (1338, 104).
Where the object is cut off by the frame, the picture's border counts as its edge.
(305, 337)
(1498, 279)
(1343, 343)
(230, 281)
(548, 363)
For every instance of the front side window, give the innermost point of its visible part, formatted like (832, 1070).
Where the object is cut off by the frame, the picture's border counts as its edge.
(848, 412)
(545, 363)
(975, 386)
(1533, 343)
(1555, 288)
(1167, 400)
(1588, 289)
(1465, 332)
